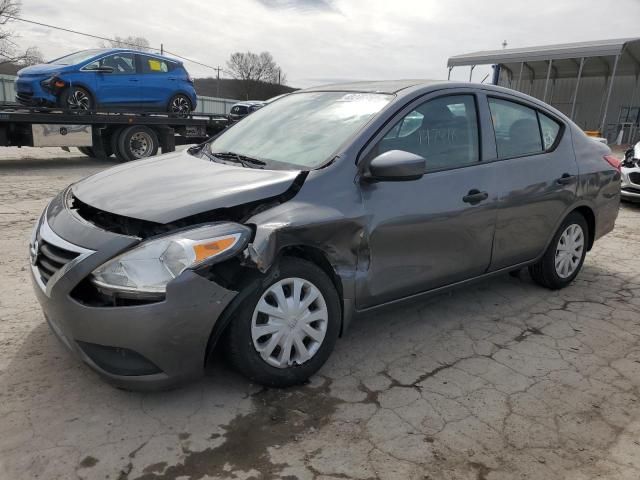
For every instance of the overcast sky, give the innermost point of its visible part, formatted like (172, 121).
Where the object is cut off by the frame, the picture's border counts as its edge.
(323, 41)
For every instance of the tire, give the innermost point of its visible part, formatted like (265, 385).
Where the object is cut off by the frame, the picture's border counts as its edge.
(545, 272)
(88, 151)
(76, 98)
(180, 105)
(242, 337)
(136, 142)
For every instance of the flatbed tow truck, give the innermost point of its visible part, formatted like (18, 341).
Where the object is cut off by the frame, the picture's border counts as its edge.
(128, 136)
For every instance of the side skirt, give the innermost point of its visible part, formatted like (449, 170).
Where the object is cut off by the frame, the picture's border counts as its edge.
(445, 288)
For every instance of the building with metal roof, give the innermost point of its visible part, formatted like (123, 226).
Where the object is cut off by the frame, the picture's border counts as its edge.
(595, 83)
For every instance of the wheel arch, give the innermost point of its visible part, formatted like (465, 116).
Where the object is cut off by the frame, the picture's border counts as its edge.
(317, 257)
(243, 286)
(590, 218)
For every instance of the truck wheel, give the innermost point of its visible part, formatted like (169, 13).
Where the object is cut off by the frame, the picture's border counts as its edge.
(136, 142)
(113, 144)
(88, 151)
(286, 328)
(76, 98)
(180, 105)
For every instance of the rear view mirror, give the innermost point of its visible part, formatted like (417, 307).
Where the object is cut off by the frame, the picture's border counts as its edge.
(396, 165)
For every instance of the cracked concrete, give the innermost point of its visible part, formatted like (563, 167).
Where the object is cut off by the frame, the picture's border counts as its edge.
(501, 380)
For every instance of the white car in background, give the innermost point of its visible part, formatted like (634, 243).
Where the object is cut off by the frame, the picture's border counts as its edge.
(630, 187)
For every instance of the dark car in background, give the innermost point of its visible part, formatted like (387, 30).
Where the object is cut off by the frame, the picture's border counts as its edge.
(108, 79)
(242, 109)
(325, 204)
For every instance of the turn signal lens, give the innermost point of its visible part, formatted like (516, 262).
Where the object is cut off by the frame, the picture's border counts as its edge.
(210, 249)
(614, 162)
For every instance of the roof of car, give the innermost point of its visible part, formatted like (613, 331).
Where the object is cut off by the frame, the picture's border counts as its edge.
(130, 50)
(381, 86)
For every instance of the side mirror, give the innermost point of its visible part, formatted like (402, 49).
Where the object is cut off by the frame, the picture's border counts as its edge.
(396, 165)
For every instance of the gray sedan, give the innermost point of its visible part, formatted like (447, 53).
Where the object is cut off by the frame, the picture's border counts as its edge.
(324, 204)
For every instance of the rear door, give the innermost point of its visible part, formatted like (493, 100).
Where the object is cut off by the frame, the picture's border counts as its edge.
(436, 230)
(159, 80)
(120, 88)
(537, 178)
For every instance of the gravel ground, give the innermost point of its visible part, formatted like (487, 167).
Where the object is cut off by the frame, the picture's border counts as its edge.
(502, 380)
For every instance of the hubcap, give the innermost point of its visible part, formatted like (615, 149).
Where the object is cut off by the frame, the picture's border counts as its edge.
(289, 322)
(180, 105)
(78, 100)
(569, 251)
(140, 144)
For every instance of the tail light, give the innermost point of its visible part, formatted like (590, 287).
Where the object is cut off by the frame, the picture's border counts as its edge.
(189, 79)
(614, 162)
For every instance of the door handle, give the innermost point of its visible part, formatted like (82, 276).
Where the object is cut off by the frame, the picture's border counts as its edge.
(133, 79)
(565, 179)
(475, 196)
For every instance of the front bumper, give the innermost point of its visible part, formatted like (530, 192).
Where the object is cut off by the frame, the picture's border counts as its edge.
(630, 184)
(142, 347)
(29, 92)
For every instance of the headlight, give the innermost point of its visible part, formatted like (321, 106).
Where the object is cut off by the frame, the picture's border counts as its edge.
(53, 82)
(147, 268)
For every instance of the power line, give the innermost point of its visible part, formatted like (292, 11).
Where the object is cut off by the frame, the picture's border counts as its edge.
(98, 37)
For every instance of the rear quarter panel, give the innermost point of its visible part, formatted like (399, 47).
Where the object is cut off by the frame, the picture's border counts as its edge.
(599, 182)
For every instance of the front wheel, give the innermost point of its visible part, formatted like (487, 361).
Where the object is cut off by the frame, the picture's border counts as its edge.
(564, 257)
(76, 98)
(288, 326)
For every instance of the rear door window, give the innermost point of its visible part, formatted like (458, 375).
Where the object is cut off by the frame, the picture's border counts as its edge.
(155, 65)
(516, 128)
(550, 130)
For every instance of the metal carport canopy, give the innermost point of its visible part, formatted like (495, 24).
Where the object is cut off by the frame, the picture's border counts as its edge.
(565, 58)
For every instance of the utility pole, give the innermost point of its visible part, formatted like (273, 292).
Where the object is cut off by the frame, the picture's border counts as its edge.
(217, 69)
(161, 49)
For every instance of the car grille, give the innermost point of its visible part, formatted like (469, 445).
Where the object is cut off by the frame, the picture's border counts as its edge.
(635, 177)
(24, 98)
(50, 259)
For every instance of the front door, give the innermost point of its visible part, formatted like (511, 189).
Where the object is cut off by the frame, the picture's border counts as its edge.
(120, 88)
(439, 229)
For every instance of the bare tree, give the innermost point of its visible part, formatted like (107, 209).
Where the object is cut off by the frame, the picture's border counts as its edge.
(32, 56)
(134, 43)
(10, 52)
(251, 68)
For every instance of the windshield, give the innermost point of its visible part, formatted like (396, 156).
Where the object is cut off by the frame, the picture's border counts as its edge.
(302, 129)
(77, 57)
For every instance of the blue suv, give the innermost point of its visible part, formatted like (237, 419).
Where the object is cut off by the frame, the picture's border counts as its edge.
(108, 79)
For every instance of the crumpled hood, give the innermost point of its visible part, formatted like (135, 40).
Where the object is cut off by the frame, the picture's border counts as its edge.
(177, 185)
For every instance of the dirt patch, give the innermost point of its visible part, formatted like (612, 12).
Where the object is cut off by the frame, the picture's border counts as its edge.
(88, 462)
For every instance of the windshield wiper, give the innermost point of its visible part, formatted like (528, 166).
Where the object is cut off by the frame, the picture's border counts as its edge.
(241, 159)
